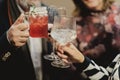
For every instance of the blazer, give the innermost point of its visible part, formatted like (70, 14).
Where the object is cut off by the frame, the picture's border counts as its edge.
(15, 63)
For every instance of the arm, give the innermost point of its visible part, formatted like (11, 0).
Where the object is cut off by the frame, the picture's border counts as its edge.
(89, 69)
(15, 37)
(84, 65)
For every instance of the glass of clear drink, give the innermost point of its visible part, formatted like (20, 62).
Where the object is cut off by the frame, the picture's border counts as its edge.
(63, 32)
(60, 11)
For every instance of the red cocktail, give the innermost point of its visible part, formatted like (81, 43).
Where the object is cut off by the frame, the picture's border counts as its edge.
(38, 25)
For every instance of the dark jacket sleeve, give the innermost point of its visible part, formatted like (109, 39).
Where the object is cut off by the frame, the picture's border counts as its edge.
(90, 70)
(4, 44)
(4, 26)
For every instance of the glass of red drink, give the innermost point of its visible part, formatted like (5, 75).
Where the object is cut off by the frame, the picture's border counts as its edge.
(38, 20)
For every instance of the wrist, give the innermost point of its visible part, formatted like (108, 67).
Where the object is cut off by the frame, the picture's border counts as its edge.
(83, 65)
(81, 58)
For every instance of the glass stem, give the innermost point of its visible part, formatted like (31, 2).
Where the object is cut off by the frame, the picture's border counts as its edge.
(53, 53)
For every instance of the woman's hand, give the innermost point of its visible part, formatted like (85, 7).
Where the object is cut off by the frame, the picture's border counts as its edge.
(69, 53)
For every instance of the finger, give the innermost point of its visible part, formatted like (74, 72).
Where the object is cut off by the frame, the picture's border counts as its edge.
(23, 39)
(68, 50)
(25, 33)
(69, 47)
(22, 27)
(20, 19)
(62, 55)
(22, 34)
(60, 49)
(66, 61)
(19, 44)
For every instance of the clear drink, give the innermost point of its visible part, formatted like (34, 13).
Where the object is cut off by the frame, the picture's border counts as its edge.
(63, 36)
(63, 31)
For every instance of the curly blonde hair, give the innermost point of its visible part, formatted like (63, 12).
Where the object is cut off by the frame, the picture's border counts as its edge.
(82, 10)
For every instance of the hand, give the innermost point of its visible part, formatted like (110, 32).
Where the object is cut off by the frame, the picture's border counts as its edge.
(18, 32)
(72, 54)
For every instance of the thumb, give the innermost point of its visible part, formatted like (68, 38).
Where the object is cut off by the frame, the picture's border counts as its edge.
(20, 19)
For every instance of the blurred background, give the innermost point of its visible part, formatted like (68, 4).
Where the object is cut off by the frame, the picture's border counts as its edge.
(66, 3)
